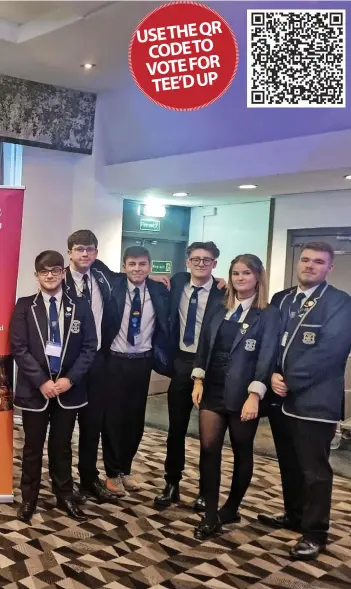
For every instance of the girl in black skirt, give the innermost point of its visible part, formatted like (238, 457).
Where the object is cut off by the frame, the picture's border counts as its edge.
(234, 362)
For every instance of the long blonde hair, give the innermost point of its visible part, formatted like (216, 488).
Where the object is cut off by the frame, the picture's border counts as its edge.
(255, 265)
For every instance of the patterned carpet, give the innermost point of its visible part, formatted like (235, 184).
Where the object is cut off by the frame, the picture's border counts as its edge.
(136, 546)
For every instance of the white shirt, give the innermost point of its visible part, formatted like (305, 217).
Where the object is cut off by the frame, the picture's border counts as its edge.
(97, 302)
(147, 327)
(202, 297)
(58, 297)
(255, 386)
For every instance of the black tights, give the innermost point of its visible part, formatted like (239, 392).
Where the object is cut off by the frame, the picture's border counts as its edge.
(212, 431)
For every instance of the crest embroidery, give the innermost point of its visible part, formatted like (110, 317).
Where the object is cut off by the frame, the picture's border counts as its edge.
(75, 326)
(101, 280)
(250, 345)
(309, 338)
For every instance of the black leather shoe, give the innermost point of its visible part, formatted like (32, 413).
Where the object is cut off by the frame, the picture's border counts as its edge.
(26, 511)
(199, 504)
(79, 496)
(278, 522)
(103, 495)
(228, 516)
(205, 531)
(71, 509)
(169, 495)
(306, 550)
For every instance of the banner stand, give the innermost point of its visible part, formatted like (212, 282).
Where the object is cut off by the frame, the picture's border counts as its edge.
(11, 211)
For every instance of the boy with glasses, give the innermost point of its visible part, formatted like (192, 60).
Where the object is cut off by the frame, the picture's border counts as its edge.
(193, 295)
(53, 343)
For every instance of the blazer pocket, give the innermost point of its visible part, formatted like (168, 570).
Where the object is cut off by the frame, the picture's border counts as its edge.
(309, 334)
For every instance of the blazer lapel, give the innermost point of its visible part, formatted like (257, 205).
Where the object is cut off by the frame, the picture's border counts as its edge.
(103, 283)
(216, 323)
(41, 318)
(120, 296)
(68, 309)
(250, 320)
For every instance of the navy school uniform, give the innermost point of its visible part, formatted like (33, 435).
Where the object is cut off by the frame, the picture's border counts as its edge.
(29, 334)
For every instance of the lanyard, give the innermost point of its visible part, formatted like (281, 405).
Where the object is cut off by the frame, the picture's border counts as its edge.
(143, 303)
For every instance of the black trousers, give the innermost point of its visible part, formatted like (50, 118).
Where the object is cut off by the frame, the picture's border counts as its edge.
(127, 389)
(90, 419)
(35, 425)
(303, 449)
(180, 404)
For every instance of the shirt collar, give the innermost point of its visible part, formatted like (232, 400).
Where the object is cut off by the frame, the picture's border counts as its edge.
(78, 276)
(207, 286)
(246, 303)
(307, 293)
(47, 297)
(132, 286)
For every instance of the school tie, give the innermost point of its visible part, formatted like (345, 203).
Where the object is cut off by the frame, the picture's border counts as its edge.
(236, 315)
(55, 336)
(86, 289)
(189, 333)
(134, 317)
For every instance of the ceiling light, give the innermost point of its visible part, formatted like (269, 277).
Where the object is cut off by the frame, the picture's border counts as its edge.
(154, 210)
(180, 193)
(247, 186)
(88, 66)
(348, 177)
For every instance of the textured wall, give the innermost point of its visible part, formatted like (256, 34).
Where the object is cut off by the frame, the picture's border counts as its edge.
(41, 115)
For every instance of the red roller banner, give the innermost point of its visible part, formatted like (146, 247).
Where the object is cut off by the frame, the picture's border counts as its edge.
(11, 209)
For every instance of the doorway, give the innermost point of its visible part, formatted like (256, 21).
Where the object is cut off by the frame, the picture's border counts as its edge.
(340, 239)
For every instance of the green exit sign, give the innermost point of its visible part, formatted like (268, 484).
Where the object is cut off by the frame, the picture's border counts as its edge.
(150, 225)
(160, 267)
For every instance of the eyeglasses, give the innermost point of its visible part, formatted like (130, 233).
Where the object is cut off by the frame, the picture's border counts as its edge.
(54, 271)
(90, 249)
(205, 261)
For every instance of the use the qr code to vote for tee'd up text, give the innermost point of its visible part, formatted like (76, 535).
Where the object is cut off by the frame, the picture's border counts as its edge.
(296, 58)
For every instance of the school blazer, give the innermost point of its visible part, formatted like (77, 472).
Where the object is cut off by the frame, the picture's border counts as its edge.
(178, 281)
(160, 298)
(105, 288)
(315, 353)
(253, 354)
(29, 334)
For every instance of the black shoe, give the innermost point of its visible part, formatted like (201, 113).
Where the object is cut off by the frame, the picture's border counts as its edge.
(205, 531)
(228, 516)
(79, 496)
(103, 495)
(26, 511)
(169, 495)
(278, 522)
(199, 504)
(71, 509)
(306, 550)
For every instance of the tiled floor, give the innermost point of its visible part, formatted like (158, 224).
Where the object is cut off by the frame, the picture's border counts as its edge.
(136, 546)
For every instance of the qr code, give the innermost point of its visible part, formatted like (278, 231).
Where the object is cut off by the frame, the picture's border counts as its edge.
(296, 58)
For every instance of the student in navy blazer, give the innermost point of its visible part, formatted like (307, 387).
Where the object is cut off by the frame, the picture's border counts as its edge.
(138, 341)
(309, 380)
(84, 281)
(50, 388)
(233, 366)
(193, 296)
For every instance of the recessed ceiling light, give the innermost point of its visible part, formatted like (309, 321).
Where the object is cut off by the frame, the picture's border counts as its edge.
(88, 66)
(180, 193)
(348, 177)
(247, 186)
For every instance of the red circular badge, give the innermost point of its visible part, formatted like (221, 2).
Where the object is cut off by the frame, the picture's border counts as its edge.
(183, 56)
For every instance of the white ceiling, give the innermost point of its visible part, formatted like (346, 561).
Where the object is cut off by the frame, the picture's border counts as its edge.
(48, 41)
(212, 194)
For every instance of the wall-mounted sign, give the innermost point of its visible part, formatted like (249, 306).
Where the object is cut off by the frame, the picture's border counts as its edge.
(150, 225)
(160, 267)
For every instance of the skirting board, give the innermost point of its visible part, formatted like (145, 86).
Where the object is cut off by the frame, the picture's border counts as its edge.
(6, 498)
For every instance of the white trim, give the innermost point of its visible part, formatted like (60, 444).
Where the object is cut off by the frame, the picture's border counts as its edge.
(6, 498)
(103, 275)
(33, 410)
(308, 418)
(75, 406)
(310, 325)
(68, 336)
(8, 186)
